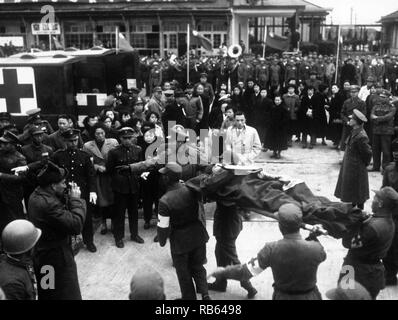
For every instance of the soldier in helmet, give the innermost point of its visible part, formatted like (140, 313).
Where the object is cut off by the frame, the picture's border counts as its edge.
(17, 278)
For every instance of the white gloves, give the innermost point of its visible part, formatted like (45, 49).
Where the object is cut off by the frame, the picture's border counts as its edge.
(93, 197)
(19, 170)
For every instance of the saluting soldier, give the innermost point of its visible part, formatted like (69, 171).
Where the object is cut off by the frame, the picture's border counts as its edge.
(80, 171)
(37, 155)
(35, 120)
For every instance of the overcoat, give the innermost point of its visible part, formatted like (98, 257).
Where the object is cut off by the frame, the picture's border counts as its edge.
(353, 182)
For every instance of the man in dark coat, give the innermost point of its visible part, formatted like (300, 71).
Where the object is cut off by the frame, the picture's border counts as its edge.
(125, 185)
(353, 183)
(173, 111)
(17, 277)
(11, 185)
(182, 220)
(59, 218)
(55, 140)
(390, 179)
(370, 243)
(312, 116)
(348, 72)
(80, 171)
(335, 123)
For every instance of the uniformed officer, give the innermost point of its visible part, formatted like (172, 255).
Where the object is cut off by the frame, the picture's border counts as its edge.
(348, 107)
(370, 243)
(59, 217)
(17, 278)
(181, 219)
(36, 155)
(125, 185)
(80, 171)
(35, 120)
(353, 182)
(11, 185)
(294, 261)
(5, 121)
(390, 179)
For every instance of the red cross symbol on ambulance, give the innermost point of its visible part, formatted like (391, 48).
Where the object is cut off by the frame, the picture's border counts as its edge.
(17, 90)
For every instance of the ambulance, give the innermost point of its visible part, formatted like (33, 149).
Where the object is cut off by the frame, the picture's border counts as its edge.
(75, 82)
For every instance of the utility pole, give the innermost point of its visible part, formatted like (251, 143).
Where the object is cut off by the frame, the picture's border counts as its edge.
(352, 12)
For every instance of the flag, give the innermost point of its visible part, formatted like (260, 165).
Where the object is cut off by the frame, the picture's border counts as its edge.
(201, 40)
(277, 42)
(57, 44)
(123, 44)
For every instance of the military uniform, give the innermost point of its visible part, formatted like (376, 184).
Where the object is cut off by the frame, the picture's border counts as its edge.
(125, 186)
(181, 218)
(366, 249)
(347, 109)
(11, 186)
(17, 279)
(58, 222)
(390, 179)
(35, 155)
(81, 171)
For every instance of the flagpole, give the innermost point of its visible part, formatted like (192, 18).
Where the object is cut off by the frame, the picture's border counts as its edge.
(265, 39)
(117, 39)
(188, 46)
(338, 53)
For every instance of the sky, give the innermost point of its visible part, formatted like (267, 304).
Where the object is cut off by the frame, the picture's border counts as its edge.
(366, 11)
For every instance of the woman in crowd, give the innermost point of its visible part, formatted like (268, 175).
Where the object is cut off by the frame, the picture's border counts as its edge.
(154, 118)
(88, 124)
(98, 148)
(111, 133)
(199, 92)
(261, 111)
(278, 122)
(334, 106)
(149, 180)
(236, 99)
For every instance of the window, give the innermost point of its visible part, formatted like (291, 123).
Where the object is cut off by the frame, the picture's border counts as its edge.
(138, 40)
(79, 40)
(173, 41)
(167, 27)
(216, 40)
(205, 26)
(2, 29)
(220, 27)
(108, 39)
(207, 35)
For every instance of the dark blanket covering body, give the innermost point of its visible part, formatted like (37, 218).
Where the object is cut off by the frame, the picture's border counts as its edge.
(265, 196)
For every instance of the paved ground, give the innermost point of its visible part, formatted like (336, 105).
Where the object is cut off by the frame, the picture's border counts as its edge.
(107, 274)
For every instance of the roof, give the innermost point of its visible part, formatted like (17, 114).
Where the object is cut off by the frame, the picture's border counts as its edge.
(390, 17)
(305, 6)
(28, 59)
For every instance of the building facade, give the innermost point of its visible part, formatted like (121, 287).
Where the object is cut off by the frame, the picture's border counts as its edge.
(390, 33)
(153, 26)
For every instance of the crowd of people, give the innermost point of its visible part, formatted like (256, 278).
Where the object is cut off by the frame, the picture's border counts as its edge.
(59, 179)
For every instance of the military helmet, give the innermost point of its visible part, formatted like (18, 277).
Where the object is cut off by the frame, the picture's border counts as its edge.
(19, 236)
